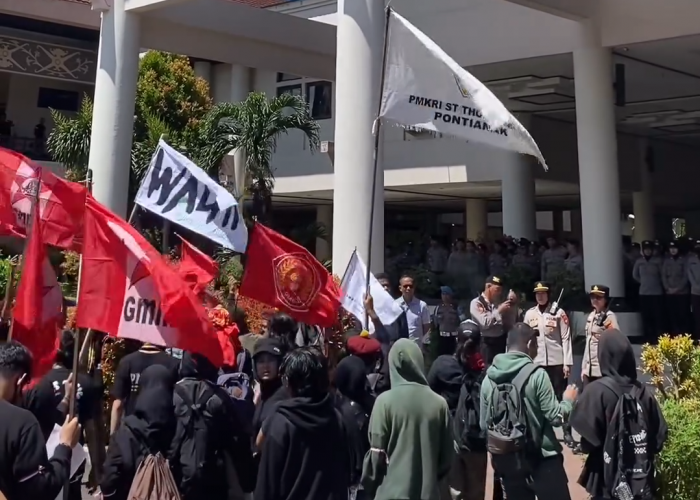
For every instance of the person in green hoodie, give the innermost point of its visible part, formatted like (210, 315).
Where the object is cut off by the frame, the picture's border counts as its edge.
(410, 433)
(547, 479)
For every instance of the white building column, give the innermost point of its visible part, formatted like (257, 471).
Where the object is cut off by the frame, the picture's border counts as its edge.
(202, 69)
(476, 219)
(597, 158)
(324, 218)
(113, 114)
(518, 194)
(360, 36)
(642, 200)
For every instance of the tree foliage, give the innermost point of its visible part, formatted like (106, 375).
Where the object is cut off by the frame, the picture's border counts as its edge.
(69, 141)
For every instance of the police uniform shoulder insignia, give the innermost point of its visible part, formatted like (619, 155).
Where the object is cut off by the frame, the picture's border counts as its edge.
(564, 317)
(480, 307)
(607, 324)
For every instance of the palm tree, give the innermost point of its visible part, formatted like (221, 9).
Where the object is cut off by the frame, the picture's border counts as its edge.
(69, 140)
(253, 126)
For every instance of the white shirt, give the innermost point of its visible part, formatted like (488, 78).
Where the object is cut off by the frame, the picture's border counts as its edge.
(417, 315)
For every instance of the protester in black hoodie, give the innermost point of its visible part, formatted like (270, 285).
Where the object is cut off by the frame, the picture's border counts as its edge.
(355, 403)
(303, 453)
(149, 430)
(25, 470)
(267, 358)
(596, 404)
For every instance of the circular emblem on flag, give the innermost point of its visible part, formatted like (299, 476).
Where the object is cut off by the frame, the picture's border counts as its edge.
(297, 281)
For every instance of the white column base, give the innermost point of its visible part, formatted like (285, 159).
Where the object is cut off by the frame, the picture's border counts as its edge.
(476, 219)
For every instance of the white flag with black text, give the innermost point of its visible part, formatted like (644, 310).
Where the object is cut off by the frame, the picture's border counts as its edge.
(425, 89)
(178, 190)
(354, 288)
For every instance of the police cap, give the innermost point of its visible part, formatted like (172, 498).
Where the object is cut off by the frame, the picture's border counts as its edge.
(647, 244)
(541, 286)
(600, 291)
(494, 280)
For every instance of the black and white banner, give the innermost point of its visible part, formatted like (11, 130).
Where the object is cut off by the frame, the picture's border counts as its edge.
(178, 190)
(425, 89)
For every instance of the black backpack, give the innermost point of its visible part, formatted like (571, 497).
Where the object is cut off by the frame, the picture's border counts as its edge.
(466, 425)
(508, 434)
(628, 469)
(193, 451)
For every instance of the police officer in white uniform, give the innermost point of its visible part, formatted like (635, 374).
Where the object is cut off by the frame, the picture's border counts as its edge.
(599, 320)
(554, 352)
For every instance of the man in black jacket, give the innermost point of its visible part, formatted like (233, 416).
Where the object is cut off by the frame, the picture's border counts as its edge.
(304, 453)
(25, 470)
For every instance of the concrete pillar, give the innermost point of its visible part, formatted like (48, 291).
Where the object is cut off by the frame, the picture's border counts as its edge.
(692, 224)
(576, 228)
(113, 114)
(203, 70)
(597, 158)
(476, 219)
(643, 200)
(518, 193)
(324, 217)
(360, 36)
(558, 224)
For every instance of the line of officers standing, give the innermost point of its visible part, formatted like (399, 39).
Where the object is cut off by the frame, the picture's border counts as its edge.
(495, 317)
(669, 288)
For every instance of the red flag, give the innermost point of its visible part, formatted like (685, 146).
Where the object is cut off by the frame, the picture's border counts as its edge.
(196, 267)
(38, 309)
(127, 289)
(61, 203)
(285, 275)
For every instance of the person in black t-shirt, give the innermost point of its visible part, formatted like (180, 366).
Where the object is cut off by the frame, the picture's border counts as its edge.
(44, 400)
(126, 379)
(25, 470)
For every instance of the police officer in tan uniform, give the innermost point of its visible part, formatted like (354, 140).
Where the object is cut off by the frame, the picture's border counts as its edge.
(554, 352)
(600, 319)
(489, 313)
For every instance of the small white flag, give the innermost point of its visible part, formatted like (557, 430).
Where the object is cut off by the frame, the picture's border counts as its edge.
(425, 89)
(354, 289)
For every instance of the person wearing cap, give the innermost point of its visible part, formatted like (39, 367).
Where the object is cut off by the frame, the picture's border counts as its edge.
(674, 275)
(446, 321)
(574, 261)
(369, 350)
(466, 266)
(693, 270)
(599, 320)
(486, 312)
(647, 272)
(524, 261)
(554, 350)
(552, 261)
(498, 260)
(267, 358)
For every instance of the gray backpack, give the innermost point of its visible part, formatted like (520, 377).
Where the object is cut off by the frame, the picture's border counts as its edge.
(508, 437)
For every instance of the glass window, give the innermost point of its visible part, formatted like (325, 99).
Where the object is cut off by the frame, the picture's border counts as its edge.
(319, 95)
(286, 77)
(61, 100)
(289, 89)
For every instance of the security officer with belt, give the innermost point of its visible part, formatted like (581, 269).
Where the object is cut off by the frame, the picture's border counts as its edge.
(674, 275)
(446, 320)
(647, 272)
(554, 351)
(488, 312)
(598, 321)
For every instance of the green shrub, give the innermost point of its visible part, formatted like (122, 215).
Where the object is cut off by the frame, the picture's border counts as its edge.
(678, 466)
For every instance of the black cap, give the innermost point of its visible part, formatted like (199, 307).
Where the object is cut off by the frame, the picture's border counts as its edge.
(542, 286)
(673, 244)
(470, 329)
(268, 345)
(647, 244)
(494, 280)
(600, 290)
(657, 243)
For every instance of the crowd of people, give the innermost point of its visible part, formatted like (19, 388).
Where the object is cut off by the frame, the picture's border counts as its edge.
(390, 420)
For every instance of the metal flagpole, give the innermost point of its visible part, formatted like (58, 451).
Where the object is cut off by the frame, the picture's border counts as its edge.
(376, 130)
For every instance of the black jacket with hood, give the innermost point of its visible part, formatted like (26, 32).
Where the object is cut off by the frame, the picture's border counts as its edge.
(595, 407)
(302, 456)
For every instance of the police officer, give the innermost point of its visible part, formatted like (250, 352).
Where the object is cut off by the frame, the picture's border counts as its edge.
(488, 313)
(498, 262)
(674, 275)
(446, 321)
(552, 260)
(599, 320)
(694, 279)
(522, 260)
(574, 261)
(647, 272)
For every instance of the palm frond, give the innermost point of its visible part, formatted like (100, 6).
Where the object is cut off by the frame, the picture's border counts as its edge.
(69, 140)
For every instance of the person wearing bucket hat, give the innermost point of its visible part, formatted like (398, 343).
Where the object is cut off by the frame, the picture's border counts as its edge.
(446, 320)
(598, 321)
(647, 272)
(674, 275)
(554, 349)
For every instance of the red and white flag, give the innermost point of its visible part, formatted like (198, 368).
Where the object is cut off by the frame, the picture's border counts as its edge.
(128, 290)
(196, 267)
(38, 310)
(61, 203)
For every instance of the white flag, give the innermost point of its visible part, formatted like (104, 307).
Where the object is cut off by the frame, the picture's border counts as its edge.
(178, 190)
(426, 89)
(354, 289)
